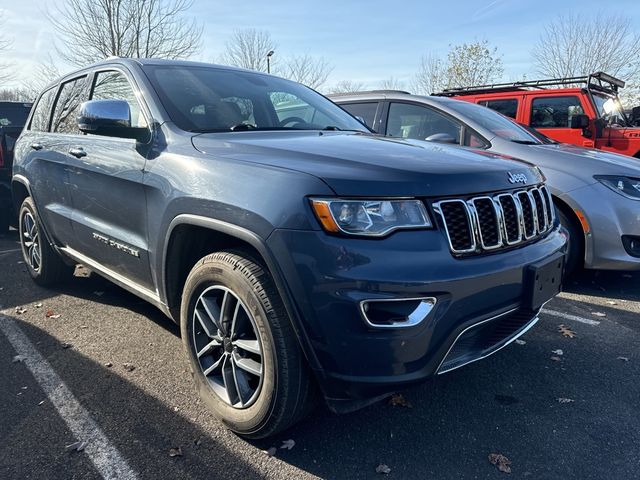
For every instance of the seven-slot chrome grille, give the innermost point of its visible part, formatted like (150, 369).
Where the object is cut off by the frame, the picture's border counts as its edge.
(491, 222)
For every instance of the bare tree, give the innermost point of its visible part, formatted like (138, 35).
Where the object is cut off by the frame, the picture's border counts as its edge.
(248, 48)
(392, 83)
(6, 72)
(305, 69)
(347, 86)
(466, 64)
(91, 30)
(44, 74)
(431, 76)
(579, 45)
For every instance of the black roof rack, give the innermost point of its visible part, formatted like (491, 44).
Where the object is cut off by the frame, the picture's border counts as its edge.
(599, 81)
(362, 92)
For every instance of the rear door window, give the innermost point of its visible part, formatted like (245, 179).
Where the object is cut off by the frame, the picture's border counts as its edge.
(506, 106)
(414, 121)
(71, 96)
(42, 112)
(554, 112)
(364, 110)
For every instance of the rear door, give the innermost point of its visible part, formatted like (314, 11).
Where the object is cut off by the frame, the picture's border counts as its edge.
(43, 157)
(106, 173)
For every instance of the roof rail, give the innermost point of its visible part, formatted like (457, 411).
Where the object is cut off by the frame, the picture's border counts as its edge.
(596, 81)
(362, 92)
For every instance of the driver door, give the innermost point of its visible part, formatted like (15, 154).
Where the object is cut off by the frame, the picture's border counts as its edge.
(108, 196)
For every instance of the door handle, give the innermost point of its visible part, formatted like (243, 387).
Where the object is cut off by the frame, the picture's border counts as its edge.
(78, 152)
(37, 146)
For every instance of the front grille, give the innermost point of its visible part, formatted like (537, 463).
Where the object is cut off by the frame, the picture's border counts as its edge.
(485, 338)
(496, 221)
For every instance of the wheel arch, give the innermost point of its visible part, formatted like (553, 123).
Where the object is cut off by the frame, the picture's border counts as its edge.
(571, 215)
(191, 237)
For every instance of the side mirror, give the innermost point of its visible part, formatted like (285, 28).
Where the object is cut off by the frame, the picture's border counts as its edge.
(110, 118)
(441, 138)
(579, 122)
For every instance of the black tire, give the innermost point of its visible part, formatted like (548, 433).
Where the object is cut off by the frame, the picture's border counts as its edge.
(47, 267)
(574, 260)
(283, 391)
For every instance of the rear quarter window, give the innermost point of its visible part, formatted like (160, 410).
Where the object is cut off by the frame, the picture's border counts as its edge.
(42, 112)
(507, 106)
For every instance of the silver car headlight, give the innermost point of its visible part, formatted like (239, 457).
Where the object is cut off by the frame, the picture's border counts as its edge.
(626, 186)
(373, 218)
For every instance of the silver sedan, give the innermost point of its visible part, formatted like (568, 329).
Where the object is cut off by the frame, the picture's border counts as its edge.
(597, 194)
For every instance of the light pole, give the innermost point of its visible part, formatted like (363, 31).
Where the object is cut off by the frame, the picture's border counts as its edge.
(271, 52)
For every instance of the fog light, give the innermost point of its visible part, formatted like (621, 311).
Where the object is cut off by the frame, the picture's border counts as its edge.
(396, 313)
(631, 245)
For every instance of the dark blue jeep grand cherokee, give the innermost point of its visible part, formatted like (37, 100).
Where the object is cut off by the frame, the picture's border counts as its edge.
(299, 252)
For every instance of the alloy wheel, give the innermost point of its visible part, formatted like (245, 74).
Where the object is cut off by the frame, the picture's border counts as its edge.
(228, 346)
(30, 239)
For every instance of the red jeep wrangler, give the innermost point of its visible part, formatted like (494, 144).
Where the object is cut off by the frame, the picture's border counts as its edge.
(587, 115)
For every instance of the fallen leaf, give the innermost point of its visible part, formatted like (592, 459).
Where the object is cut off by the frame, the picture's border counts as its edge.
(521, 342)
(556, 359)
(108, 364)
(129, 367)
(66, 345)
(20, 310)
(288, 444)
(176, 409)
(501, 462)
(624, 359)
(382, 468)
(565, 400)
(51, 314)
(76, 447)
(558, 352)
(18, 358)
(399, 400)
(41, 403)
(38, 305)
(566, 331)
(175, 452)
(270, 451)
(598, 314)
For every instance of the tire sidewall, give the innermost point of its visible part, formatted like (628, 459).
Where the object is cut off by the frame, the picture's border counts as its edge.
(27, 206)
(218, 272)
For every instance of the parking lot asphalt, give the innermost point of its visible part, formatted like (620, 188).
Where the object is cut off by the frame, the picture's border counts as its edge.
(557, 407)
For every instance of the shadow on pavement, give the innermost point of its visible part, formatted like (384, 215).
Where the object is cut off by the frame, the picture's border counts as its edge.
(605, 283)
(140, 426)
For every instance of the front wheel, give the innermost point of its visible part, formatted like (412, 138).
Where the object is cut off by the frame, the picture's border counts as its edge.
(574, 260)
(245, 359)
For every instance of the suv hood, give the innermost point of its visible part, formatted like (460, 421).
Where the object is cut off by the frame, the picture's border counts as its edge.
(355, 164)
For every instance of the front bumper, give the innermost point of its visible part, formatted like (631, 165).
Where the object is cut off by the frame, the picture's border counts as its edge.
(610, 216)
(327, 277)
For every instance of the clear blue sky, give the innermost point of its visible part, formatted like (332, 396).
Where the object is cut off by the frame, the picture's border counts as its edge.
(364, 41)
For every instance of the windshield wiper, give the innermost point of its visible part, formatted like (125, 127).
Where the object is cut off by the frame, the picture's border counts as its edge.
(524, 142)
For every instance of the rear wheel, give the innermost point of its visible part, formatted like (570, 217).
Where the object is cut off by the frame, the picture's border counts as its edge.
(44, 264)
(575, 256)
(245, 359)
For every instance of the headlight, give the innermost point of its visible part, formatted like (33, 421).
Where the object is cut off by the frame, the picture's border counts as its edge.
(629, 187)
(374, 218)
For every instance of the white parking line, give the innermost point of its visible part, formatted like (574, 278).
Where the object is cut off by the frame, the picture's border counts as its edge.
(568, 316)
(105, 457)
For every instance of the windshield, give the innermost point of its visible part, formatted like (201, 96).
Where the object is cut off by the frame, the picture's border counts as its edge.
(210, 99)
(609, 107)
(495, 122)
